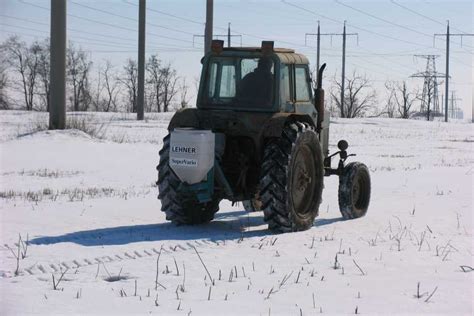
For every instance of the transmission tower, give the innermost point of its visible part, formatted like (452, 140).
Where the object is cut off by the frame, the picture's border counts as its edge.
(430, 98)
(454, 112)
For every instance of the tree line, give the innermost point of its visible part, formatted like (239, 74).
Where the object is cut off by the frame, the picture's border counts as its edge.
(25, 81)
(361, 98)
(24, 84)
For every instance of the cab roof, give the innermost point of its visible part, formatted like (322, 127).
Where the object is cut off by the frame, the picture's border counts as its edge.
(285, 55)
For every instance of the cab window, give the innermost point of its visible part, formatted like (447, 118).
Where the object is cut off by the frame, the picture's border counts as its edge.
(302, 84)
(240, 82)
(285, 84)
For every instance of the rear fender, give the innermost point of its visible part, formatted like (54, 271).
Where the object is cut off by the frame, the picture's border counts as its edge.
(276, 124)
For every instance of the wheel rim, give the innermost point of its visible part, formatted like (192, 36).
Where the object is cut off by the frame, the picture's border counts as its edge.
(303, 180)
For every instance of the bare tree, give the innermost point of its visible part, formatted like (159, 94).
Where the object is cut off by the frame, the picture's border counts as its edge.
(106, 93)
(155, 80)
(130, 81)
(402, 97)
(24, 61)
(78, 67)
(4, 103)
(183, 91)
(169, 86)
(43, 72)
(390, 106)
(359, 96)
(97, 99)
(109, 88)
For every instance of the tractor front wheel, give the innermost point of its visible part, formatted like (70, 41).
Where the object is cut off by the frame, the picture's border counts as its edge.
(354, 190)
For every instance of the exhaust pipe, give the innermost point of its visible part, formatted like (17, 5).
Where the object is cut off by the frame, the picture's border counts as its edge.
(319, 99)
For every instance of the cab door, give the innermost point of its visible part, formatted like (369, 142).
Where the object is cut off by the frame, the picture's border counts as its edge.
(302, 91)
(287, 100)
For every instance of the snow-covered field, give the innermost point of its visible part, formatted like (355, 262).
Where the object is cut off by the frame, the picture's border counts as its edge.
(89, 211)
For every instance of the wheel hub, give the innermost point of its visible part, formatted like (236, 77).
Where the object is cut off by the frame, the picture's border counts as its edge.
(304, 179)
(304, 170)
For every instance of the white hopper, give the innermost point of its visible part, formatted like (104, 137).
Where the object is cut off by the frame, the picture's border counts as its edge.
(191, 154)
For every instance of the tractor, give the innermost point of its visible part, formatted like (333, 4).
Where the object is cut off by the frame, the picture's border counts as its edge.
(259, 135)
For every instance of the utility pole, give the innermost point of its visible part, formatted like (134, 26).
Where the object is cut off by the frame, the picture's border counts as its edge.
(446, 87)
(208, 28)
(229, 35)
(57, 110)
(446, 78)
(318, 45)
(343, 66)
(344, 35)
(141, 60)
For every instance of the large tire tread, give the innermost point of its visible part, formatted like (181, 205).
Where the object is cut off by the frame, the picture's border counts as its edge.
(274, 181)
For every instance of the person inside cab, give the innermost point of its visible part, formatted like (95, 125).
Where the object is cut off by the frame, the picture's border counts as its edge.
(257, 86)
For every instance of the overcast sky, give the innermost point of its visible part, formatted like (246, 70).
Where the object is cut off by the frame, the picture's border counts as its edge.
(390, 33)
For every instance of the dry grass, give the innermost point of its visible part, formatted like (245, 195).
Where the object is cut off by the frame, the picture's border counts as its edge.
(82, 123)
(71, 195)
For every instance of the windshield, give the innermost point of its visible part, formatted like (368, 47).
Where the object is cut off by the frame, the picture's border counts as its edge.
(240, 82)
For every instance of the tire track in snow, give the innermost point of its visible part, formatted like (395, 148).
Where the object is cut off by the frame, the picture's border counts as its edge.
(56, 266)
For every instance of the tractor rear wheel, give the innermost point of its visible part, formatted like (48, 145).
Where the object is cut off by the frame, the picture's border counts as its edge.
(292, 179)
(354, 190)
(180, 208)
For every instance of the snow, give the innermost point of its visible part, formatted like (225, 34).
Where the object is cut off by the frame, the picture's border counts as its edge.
(89, 207)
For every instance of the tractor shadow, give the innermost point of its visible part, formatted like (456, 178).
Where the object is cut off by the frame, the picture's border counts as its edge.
(225, 226)
(326, 221)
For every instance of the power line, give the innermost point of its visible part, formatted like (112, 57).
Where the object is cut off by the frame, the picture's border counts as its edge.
(168, 14)
(110, 25)
(93, 41)
(161, 48)
(336, 21)
(69, 29)
(344, 34)
(352, 25)
(422, 15)
(303, 48)
(130, 19)
(365, 30)
(215, 26)
(380, 65)
(219, 27)
(382, 19)
(79, 37)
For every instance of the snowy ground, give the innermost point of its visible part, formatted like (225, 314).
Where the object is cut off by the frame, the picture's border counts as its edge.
(89, 210)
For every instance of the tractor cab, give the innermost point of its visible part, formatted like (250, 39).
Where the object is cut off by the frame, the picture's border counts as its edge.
(264, 79)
